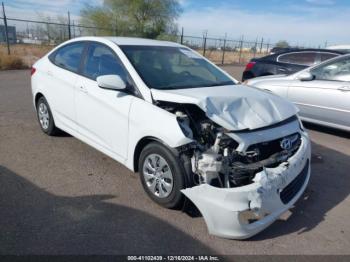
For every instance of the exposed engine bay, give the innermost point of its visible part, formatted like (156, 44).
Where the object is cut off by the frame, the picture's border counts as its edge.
(215, 157)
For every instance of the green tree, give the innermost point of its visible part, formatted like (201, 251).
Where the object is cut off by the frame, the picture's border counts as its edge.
(282, 44)
(144, 18)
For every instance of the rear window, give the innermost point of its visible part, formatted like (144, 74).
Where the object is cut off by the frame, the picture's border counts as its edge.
(302, 58)
(69, 56)
(326, 56)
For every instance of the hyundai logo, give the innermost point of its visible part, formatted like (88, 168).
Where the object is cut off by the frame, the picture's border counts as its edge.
(287, 142)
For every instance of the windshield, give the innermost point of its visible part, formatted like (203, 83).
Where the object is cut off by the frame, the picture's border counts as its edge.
(173, 67)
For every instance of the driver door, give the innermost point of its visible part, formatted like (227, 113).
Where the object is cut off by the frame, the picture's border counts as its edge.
(327, 97)
(102, 115)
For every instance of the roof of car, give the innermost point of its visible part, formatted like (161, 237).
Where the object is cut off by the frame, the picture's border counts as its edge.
(296, 50)
(275, 55)
(338, 47)
(130, 41)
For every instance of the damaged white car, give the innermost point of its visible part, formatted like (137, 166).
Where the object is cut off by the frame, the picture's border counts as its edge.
(239, 154)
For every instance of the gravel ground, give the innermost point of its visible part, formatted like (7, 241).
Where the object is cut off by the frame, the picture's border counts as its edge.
(60, 196)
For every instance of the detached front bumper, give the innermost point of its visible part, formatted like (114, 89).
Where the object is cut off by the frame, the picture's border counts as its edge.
(228, 212)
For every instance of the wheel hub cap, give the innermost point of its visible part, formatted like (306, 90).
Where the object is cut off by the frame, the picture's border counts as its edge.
(158, 176)
(44, 117)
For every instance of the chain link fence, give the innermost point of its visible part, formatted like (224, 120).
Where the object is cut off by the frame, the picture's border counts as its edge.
(30, 39)
(226, 51)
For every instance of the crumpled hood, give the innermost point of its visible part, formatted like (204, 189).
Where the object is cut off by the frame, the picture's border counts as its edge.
(234, 107)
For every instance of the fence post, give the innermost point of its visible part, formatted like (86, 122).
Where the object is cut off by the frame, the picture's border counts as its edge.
(69, 32)
(6, 30)
(223, 51)
(240, 50)
(261, 45)
(182, 36)
(48, 32)
(205, 42)
(73, 29)
(255, 47)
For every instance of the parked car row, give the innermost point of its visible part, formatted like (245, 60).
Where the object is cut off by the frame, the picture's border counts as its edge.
(287, 62)
(321, 92)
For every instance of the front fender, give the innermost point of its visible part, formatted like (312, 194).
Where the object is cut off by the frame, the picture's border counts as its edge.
(148, 120)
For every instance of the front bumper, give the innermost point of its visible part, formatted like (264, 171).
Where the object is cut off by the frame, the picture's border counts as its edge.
(222, 208)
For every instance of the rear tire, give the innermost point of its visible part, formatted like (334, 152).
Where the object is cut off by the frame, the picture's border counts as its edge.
(162, 175)
(45, 117)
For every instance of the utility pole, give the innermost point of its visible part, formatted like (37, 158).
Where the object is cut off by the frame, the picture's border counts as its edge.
(6, 30)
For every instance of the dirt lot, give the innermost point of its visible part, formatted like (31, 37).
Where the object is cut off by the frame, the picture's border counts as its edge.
(60, 196)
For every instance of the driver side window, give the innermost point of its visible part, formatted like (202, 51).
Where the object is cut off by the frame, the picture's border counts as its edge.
(335, 71)
(101, 60)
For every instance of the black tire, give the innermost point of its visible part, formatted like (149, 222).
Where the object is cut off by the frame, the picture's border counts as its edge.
(175, 198)
(50, 128)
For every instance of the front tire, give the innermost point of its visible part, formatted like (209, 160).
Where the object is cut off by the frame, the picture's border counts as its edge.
(45, 117)
(162, 175)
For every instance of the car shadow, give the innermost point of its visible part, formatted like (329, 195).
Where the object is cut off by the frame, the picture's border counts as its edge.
(34, 221)
(327, 130)
(329, 185)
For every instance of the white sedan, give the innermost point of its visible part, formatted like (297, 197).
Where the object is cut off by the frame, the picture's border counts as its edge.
(239, 154)
(322, 92)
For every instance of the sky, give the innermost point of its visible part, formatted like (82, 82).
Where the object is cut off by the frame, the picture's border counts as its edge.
(302, 22)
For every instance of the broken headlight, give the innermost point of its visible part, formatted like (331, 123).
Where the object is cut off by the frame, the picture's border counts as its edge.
(300, 124)
(184, 123)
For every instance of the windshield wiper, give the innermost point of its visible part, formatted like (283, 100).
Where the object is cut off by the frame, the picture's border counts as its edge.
(195, 86)
(221, 84)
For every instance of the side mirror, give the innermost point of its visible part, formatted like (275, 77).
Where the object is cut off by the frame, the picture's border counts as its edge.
(306, 76)
(113, 82)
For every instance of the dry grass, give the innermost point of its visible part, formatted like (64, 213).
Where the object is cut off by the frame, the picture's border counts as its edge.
(230, 57)
(25, 55)
(22, 55)
(11, 62)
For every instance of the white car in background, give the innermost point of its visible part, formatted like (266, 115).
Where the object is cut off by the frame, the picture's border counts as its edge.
(238, 153)
(322, 92)
(342, 48)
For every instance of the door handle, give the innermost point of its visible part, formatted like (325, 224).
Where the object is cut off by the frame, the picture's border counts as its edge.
(83, 89)
(344, 88)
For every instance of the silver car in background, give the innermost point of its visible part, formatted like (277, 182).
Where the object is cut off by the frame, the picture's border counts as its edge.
(321, 92)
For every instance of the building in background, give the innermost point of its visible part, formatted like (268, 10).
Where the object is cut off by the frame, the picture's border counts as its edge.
(11, 34)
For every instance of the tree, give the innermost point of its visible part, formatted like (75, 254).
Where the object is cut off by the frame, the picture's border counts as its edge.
(144, 18)
(282, 44)
(54, 33)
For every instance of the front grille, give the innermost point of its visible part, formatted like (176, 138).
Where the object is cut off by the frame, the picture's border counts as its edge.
(290, 191)
(266, 149)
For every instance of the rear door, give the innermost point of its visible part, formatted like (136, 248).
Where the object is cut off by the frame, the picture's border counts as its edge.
(61, 82)
(295, 61)
(327, 97)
